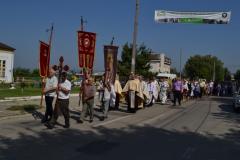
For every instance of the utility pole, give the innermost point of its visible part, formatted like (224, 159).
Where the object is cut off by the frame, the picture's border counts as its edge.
(180, 63)
(214, 72)
(135, 37)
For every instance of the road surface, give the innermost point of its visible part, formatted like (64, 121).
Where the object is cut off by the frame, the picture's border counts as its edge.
(205, 129)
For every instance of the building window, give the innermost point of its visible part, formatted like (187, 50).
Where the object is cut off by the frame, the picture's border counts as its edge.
(2, 68)
(167, 61)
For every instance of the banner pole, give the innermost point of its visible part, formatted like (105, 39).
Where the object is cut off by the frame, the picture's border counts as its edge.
(42, 79)
(47, 66)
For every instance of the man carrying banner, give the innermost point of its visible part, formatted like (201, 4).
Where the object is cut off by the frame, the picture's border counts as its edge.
(49, 92)
(62, 102)
(86, 53)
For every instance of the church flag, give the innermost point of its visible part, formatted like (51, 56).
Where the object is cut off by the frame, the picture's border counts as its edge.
(44, 59)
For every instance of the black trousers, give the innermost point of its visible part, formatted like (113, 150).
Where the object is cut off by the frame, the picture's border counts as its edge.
(49, 107)
(61, 107)
(177, 95)
(117, 101)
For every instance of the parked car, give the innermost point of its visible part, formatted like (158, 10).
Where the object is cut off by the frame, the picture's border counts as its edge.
(77, 82)
(236, 101)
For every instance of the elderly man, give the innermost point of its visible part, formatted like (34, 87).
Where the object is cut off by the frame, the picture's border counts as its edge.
(88, 93)
(49, 92)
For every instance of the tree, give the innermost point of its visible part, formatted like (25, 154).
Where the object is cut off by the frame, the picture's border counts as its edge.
(174, 71)
(35, 72)
(237, 75)
(227, 74)
(142, 61)
(203, 67)
(21, 72)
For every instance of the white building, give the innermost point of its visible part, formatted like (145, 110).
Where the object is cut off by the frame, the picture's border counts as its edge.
(6, 63)
(160, 63)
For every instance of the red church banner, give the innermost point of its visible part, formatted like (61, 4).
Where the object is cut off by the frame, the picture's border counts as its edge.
(86, 49)
(44, 59)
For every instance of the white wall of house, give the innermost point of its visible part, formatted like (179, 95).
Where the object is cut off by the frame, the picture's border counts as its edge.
(158, 65)
(155, 66)
(7, 56)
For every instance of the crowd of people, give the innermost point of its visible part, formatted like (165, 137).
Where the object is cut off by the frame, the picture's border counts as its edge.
(138, 92)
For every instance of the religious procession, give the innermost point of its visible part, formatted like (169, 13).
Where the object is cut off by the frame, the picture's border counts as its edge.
(97, 96)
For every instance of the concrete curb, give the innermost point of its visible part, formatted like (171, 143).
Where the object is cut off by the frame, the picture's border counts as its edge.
(11, 99)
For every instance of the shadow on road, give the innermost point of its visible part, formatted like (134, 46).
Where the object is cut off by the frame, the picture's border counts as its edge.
(139, 143)
(222, 99)
(227, 113)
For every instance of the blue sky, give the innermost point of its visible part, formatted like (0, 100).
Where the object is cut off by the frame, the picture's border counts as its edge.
(23, 24)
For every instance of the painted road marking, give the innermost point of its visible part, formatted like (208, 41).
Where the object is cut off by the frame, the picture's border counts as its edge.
(111, 121)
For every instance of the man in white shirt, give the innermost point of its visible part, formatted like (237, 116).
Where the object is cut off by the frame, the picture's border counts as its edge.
(62, 103)
(50, 92)
(211, 85)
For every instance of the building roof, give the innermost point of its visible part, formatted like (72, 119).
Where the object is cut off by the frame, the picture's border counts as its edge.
(5, 47)
(155, 57)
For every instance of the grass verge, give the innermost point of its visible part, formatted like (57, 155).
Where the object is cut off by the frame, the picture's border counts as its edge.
(18, 92)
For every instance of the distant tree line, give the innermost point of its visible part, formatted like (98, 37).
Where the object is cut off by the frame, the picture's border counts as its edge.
(205, 67)
(196, 67)
(25, 72)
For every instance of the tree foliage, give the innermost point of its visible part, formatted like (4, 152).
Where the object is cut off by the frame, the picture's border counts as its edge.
(142, 61)
(35, 72)
(25, 72)
(227, 74)
(203, 67)
(173, 70)
(237, 75)
(21, 72)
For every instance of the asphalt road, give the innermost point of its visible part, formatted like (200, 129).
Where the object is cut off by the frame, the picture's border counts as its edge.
(205, 129)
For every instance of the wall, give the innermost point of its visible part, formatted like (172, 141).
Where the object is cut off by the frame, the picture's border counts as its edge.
(9, 58)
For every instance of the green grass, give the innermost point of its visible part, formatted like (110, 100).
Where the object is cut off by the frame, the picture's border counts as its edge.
(18, 92)
(5, 92)
(24, 108)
